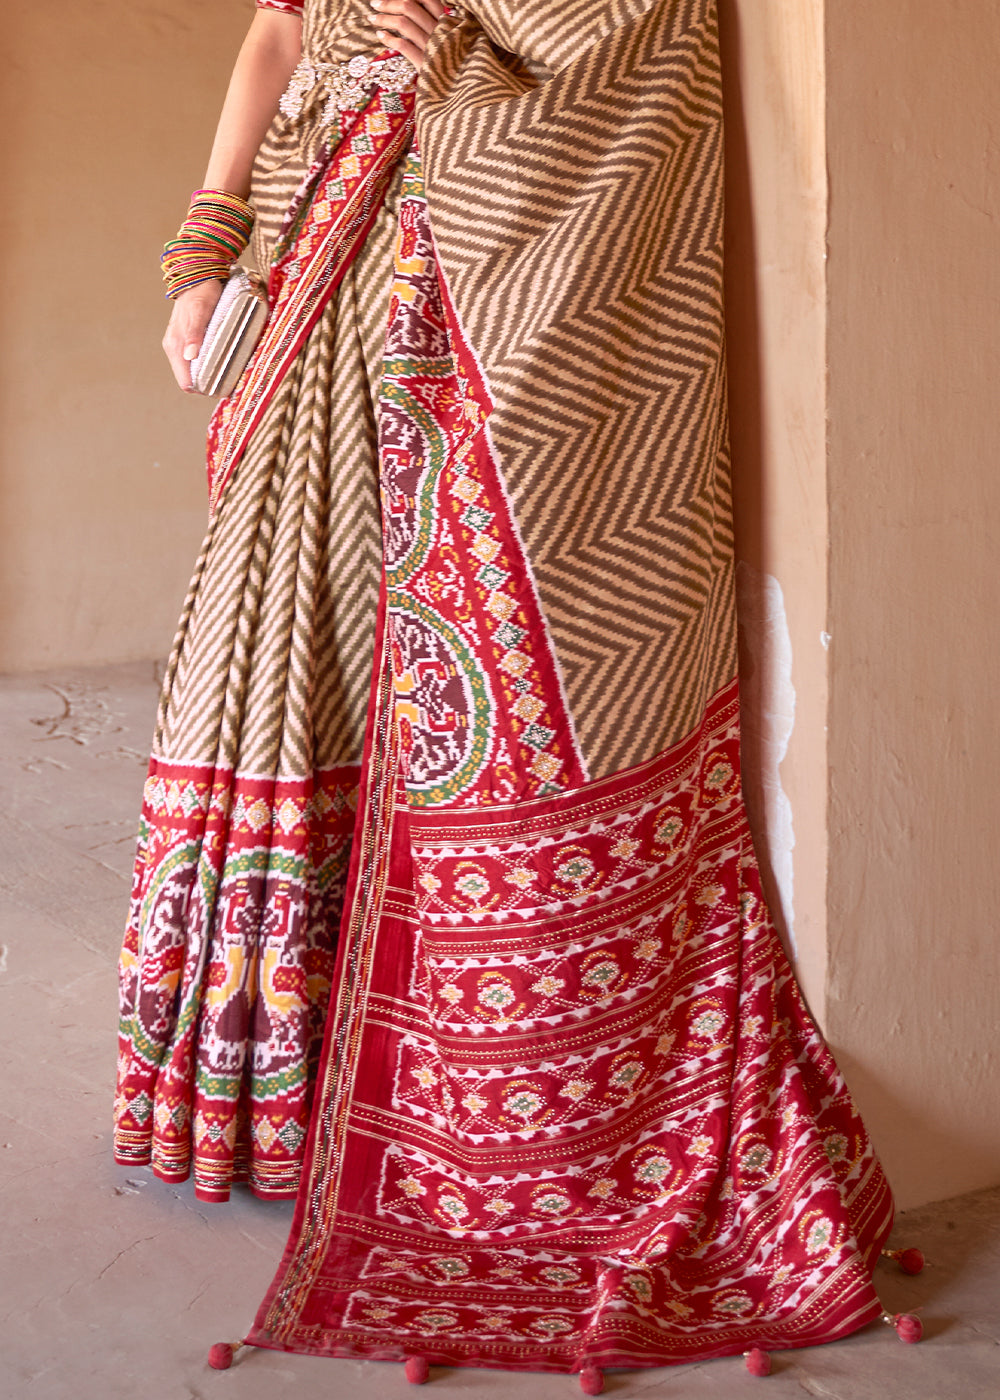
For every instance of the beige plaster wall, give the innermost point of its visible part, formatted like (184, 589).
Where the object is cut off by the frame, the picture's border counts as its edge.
(878, 835)
(914, 343)
(108, 110)
(773, 61)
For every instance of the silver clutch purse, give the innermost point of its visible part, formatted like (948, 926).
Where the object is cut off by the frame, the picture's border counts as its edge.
(231, 335)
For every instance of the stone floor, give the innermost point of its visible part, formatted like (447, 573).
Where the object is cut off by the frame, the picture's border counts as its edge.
(113, 1285)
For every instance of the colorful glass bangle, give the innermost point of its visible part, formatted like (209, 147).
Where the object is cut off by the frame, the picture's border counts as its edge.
(210, 240)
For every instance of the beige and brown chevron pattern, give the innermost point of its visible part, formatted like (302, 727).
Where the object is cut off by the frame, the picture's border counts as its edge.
(333, 31)
(270, 667)
(573, 158)
(573, 150)
(271, 664)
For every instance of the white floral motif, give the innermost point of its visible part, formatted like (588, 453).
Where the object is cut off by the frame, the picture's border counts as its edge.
(552, 1326)
(474, 885)
(452, 1268)
(653, 1169)
(733, 1303)
(554, 1201)
(709, 1023)
(453, 1205)
(524, 1103)
(819, 1235)
(836, 1147)
(640, 1286)
(756, 1159)
(436, 1321)
(627, 1074)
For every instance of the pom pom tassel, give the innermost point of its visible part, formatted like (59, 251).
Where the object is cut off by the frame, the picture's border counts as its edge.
(911, 1261)
(758, 1362)
(222, 1355)
(908, 1326)
(591, 1380)
(417, 1369)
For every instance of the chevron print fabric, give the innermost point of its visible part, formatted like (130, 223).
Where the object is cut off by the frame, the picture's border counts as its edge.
(579, 223)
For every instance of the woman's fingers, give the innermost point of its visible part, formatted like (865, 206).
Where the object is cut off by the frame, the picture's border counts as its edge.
(406, 25)
(186, 328)
(422, 15)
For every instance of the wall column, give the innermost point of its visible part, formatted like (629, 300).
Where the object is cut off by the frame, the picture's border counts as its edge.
(912, 1003)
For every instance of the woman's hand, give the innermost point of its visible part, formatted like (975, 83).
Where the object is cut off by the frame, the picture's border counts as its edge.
(186, 329)
(269, 54)
(406, 25)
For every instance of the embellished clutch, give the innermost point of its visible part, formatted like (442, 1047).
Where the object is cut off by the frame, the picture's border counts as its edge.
(231, 334)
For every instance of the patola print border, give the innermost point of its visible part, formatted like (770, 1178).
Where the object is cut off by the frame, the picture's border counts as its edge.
(342, 197)
(834, 1305)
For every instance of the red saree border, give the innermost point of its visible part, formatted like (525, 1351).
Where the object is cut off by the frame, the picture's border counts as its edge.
(367, 880)
(839, 1300)
(342, 210)
(480, 699)
(215, 847)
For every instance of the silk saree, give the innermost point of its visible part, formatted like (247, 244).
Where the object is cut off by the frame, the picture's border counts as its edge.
(457, 680)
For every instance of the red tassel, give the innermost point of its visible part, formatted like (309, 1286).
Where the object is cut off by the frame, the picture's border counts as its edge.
(911, 1261)
(591, 1380)
(908, 1327)
(758, 1362)
(417, 1369)
(220, 1357)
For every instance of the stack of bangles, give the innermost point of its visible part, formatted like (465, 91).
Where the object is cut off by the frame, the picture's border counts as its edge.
(209, 241)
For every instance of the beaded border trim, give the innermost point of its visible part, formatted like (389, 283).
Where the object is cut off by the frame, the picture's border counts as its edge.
(348, 85)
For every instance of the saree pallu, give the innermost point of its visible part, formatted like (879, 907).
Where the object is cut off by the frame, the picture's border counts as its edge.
(571, 1109)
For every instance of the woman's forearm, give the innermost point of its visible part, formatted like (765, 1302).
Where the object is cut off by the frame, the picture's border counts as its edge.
(269, 54)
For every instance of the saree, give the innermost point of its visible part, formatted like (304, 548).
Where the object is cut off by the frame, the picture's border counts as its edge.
(570, 1109)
